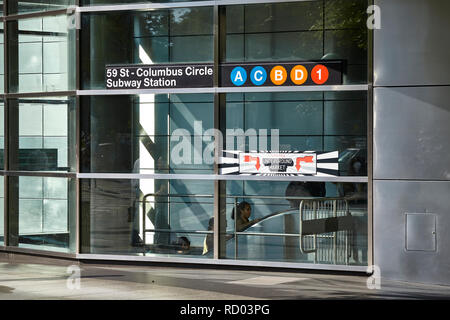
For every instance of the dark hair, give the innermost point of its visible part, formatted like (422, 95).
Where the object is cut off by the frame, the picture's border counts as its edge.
(211, 224)
(305, 189)
(241, 206)
(183, 241)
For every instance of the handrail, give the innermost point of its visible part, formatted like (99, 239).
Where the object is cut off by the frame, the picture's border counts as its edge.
(344, 220)
(303, 200)
(144, 208)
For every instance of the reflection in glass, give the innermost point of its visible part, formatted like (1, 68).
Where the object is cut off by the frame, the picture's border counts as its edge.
(42, 213)
(2, 211)
(307, 222)
(146, 133)
(182, 35)
(301, 31)
(318, 121)
(2, 60)
(41, 55)
(146, 217)
(44, 130)
(96, 2)
(22, 7)
(314, 222)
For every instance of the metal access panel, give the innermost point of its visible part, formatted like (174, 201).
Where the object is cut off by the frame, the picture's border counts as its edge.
(420, 232)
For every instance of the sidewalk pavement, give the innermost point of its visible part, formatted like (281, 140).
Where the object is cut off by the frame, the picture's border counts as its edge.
(42, 281)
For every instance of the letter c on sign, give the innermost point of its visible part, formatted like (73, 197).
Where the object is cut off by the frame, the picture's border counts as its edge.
(258, 75)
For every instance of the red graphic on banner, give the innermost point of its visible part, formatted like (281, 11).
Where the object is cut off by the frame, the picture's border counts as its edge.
(303, 159)
(250, 159)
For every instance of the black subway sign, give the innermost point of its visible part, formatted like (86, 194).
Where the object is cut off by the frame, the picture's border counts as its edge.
(282, 74)
(159, 76)
(232, 75)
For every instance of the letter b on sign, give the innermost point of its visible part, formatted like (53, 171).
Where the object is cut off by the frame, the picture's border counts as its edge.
(278, 75)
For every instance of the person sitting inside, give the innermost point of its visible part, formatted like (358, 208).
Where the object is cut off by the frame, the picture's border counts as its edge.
(208, 243)
(244, 211)
(181, 244)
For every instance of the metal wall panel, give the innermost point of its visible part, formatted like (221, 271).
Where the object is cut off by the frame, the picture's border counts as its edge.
(392, 200)
(411, 133)
(412, 48)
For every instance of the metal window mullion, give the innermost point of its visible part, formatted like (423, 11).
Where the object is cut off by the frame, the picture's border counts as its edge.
(78, 243)
(5, 129)
(370, 116)
(216, 121)
(22, 16)
(170, 176)
(316, 88)
(173, 5)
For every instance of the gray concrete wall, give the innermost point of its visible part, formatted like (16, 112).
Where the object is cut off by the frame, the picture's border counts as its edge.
(411, 187)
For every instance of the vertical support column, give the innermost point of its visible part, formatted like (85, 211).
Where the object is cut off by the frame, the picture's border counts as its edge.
(370, 145)
(11, 116)
(12, 182)
(5, 150)
(77, 138)
(219, 125)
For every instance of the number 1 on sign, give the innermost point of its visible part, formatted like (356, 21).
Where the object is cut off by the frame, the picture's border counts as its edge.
(320, 74)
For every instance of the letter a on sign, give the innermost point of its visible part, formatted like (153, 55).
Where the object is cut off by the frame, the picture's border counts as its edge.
(238, 76)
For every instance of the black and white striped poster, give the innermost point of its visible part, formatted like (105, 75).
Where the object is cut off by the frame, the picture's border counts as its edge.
(289, 163)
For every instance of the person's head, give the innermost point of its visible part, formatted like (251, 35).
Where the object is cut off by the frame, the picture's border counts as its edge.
(184, 243)
(244, 210)
(211, 224)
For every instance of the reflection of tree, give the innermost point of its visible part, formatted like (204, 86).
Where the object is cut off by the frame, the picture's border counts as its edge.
(155, 23)
(347, 15)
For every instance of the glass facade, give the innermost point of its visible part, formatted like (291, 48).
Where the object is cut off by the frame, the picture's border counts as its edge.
(45, 55)
(91, 171)
(174, 214)
(24, 7)
(160, 36)
(45, 131)
(44, 216)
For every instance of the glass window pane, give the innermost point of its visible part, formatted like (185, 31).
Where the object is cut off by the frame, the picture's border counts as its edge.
(160, 36)
(22, 7)
(45, 131)
(42, 213)
(2, 211)
(301, 31)
(268, 229)
(41, 55)
(176, 215)
(97, 2)
(2, 55)
(297, 122)
(2, 134)
(147, 133)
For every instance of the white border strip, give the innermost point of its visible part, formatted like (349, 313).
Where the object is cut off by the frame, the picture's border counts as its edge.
(167, 176)
(224, 262)
(359, 87)
(172, 5)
